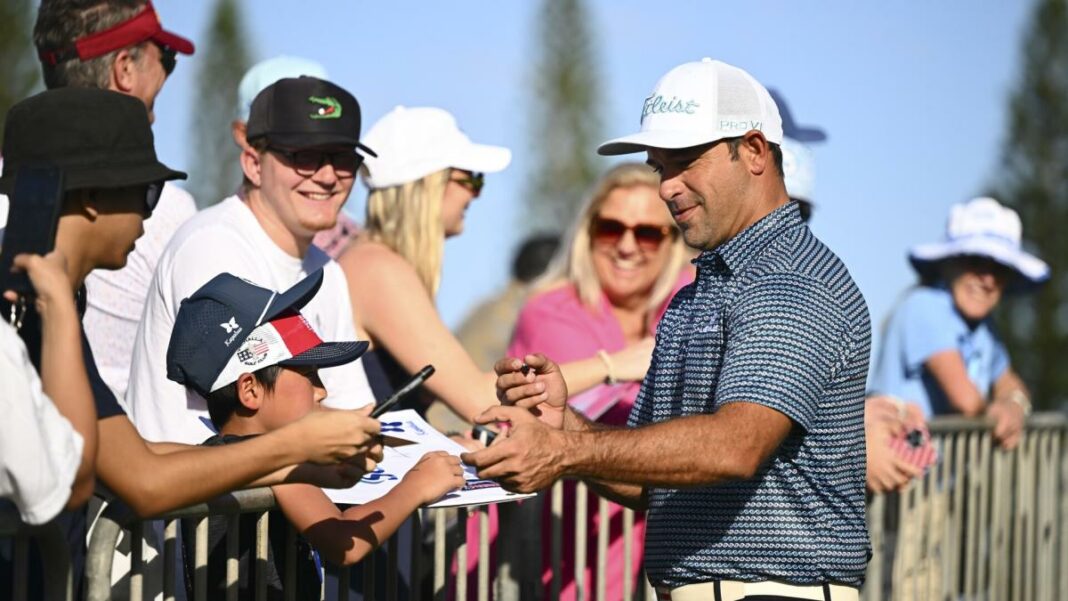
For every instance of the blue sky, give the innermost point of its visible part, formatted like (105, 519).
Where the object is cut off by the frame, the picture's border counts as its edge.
(912, 95)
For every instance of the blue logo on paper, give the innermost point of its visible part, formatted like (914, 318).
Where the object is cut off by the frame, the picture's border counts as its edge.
(378, 476)
(388, 427)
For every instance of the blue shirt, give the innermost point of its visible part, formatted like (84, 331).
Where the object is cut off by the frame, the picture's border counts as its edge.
(925, 323)
(773, 318)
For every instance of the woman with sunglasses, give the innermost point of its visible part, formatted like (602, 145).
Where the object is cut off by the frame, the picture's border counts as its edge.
(426, 175)
(605, 292)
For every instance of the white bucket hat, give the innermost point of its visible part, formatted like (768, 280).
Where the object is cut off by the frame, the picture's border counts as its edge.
(982, 227)
(415, 142)
(701, 102)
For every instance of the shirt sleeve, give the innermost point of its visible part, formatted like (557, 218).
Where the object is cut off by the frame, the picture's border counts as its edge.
(39, 450)
(786, 337)
(929, 326)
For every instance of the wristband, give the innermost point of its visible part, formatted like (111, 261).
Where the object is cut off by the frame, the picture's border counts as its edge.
(610, 372)
(1020, 398)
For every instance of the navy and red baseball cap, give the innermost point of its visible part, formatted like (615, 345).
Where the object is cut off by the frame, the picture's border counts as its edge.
(231, 326)
(142, 27)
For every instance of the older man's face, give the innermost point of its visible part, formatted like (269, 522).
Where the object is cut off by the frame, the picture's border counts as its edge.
(703, 188)
(150, 77)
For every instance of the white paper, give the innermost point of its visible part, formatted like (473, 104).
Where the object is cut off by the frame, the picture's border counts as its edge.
(397, 461)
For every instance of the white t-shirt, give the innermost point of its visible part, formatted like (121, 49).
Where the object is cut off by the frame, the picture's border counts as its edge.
(116, 299)
(228, 238)
(39, 449)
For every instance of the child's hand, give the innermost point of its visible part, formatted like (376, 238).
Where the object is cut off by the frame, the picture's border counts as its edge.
(48, 275)
(436, 473)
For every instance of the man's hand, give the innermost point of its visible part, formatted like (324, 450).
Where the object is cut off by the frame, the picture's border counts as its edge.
(528, 458)
(541, 390)
(1008, 418)
(48, 275)
(334, 435)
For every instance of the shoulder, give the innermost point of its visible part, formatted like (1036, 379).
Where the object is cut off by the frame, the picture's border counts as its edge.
(927, 299)
(561, 296)
(366, 262)
(218, 229)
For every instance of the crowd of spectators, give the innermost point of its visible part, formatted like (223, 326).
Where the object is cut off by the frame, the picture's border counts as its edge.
(152, 340)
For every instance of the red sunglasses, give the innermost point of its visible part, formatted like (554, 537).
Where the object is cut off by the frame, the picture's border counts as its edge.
(648, 236)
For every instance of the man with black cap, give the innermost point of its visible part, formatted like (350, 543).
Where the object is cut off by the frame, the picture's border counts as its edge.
(117, 45)
(103, 143)
(299, 169)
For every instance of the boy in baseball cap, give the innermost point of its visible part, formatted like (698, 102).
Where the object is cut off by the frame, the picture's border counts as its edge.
(255, 358)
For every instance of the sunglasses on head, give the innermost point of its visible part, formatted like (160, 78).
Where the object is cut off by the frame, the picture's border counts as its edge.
(648, 236)
(309, 162)
(472, 181)
(168, 57)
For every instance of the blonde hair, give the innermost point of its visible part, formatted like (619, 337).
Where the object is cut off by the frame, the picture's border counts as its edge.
(574, 263)
(407, 218)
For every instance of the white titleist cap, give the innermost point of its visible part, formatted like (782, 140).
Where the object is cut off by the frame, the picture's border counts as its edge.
(414, 142)
(798, 169)
(701, 102)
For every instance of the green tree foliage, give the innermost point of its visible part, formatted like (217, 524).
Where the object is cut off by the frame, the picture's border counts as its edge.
(565, 128)
(1034, 180)
(224, 58)
(20, 72)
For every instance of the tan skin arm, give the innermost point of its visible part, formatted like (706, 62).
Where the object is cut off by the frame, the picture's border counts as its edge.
(346, 537)
(949, 371)
(392, 308)
(700, 450)
(153, 482)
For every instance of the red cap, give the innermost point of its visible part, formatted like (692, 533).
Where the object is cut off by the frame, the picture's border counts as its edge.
(141, 27)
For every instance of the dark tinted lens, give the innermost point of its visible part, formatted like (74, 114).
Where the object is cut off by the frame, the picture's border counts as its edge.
(168, 57)
(478, 180)
(346, 162)
(608, 231)
(152, 196)
(649, 235)
(307, 162)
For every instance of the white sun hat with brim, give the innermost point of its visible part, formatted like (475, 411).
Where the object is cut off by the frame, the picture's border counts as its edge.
(982, 227)
(415, 142)
(701, 102)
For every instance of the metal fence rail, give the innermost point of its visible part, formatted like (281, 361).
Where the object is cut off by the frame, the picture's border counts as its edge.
(981, 524)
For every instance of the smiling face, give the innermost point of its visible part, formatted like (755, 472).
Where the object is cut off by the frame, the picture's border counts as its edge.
(704, 190)
(976, 285)
(297, 391)
(303, 204)
(460, 192)
(627, 266)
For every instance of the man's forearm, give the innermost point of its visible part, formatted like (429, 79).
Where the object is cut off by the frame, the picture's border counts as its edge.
(697, 450)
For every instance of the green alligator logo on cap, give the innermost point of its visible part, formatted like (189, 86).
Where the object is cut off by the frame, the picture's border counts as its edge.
(330, 109)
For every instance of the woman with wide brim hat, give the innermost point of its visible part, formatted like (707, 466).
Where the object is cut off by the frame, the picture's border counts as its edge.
(940, 349)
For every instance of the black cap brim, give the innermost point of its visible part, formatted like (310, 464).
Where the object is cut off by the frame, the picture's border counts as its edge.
(295, 298)
(97, 178)
(297, 141)
(330, 354)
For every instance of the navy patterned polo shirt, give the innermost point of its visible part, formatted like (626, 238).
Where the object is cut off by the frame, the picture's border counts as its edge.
(773, 318)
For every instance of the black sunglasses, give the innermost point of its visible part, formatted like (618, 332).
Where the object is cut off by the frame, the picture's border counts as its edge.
(473, 181)
(152, 194)
(648, 236)
(168, 57)
(309, 162)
